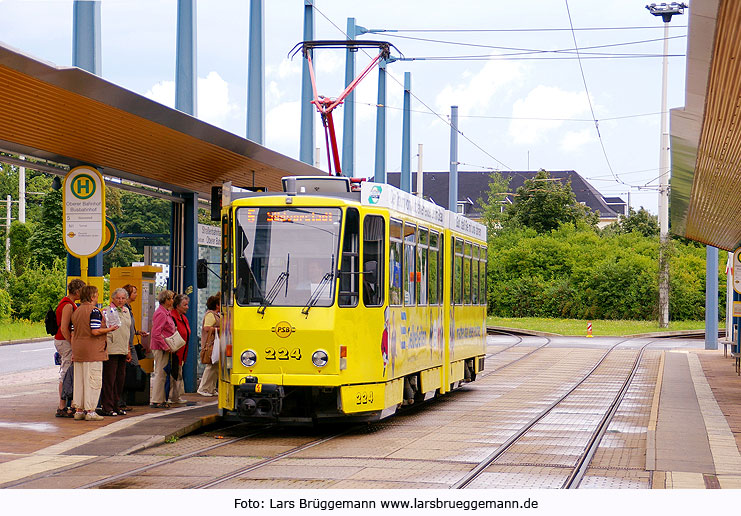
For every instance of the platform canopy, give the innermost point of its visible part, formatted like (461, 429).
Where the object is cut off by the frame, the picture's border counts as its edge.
(69, 116)
(705, 134)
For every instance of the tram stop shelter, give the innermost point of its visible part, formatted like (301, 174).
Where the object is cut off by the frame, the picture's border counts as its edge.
(71, 117)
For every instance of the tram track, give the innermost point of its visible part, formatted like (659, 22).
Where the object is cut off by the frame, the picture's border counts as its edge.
(579, 469)
(80, 465)
(111, 482)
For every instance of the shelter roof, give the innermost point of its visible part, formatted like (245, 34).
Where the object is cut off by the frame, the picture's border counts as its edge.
(71, 116)
(705, 149)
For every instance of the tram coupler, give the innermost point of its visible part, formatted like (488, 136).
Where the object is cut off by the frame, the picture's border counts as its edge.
(259, 399)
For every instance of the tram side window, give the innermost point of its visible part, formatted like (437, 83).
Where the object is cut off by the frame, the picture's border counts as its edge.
(475, 276)
(422, 266)
(349, 291)
(373, 253)
(482, 284)
(458, 272)
(440, 270)
(395, 270)
(410, 276)
(432, 266)
(467, 273)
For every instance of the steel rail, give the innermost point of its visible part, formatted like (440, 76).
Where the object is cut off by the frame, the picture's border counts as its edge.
(476, 471)
(488, 373)
(164, 462)
(72, 467)
(580, 469)
(265, 462)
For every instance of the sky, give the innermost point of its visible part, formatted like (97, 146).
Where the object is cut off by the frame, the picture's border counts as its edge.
(523, 107)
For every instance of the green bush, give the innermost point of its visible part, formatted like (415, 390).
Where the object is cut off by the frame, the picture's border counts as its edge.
(37, 290)
(5, 310)
(574, 272)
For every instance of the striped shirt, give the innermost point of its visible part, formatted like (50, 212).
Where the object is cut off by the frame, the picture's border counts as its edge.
(96, 317)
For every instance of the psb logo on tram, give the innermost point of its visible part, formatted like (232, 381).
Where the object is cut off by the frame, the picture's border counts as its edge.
(283, 329)
(83, 186)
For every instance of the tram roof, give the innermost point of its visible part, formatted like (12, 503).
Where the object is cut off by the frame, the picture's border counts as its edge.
(706, 155)
(70, 116)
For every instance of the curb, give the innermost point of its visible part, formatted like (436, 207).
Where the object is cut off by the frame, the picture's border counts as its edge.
(26, 341)
(156, 440)
(520, 331)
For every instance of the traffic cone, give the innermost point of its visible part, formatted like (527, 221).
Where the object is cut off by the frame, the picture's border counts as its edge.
(589, 329)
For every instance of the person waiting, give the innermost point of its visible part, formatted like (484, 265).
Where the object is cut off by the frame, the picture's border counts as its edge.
(88, 354)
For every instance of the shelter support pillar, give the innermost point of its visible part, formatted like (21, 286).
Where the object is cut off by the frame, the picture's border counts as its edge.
(306, 140)
(711, 297)
(183, 258)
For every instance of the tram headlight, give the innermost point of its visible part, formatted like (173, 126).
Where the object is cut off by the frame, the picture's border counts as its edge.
(248, 358)
(320, 358)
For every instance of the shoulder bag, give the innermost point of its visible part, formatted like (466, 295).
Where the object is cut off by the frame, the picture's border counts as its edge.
(175, 341)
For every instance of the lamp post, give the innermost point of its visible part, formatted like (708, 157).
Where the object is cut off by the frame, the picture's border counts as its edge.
(666, 11)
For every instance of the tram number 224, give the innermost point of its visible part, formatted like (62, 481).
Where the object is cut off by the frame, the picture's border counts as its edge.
(364, 398)
(282, 354)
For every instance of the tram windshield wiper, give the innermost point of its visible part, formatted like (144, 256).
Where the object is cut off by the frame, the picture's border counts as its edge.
(281, 280)
(317, 292)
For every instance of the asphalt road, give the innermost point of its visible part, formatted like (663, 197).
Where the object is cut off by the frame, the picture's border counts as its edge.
(26, 357)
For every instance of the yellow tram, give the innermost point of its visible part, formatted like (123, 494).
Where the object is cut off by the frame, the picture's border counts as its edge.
(340, 304)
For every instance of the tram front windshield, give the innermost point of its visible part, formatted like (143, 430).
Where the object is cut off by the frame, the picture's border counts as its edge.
(286, 256)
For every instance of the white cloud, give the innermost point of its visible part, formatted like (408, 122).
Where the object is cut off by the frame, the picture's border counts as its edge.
(214, 104)
(282, 126)
(573, 140)
(478, 89)
(285, 69)
(546, 102)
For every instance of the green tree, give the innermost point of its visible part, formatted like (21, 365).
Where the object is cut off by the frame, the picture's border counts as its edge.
(544, 203)
(20, 250)
(121, 255)
(493, 203)
(142, 214)
(47, 242)
(640, 221)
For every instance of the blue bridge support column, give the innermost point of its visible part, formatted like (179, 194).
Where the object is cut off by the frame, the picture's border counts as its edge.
(186, 70)
(453, 179)
(711, 297)
(256, 74)
(406, 136)
(306, 139)
(380, 168)
(348, 127)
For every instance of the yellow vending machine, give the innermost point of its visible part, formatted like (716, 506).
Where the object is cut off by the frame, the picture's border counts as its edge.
(143, 278)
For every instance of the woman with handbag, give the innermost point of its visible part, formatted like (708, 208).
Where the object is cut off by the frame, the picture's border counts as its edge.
(211, 324)
(177, 359)
(163, 327)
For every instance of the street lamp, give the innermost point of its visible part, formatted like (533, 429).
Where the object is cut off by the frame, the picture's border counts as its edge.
(666, 11)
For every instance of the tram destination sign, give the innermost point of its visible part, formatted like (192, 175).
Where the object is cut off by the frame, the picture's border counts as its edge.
(84, 211)
(387, 196)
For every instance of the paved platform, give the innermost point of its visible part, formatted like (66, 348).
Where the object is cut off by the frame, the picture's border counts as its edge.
(693, 440)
